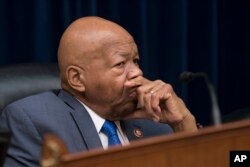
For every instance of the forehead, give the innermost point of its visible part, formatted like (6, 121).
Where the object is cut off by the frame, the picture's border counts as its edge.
(122, 49)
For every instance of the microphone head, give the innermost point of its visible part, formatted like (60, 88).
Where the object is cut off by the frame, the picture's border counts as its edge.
(187, 76)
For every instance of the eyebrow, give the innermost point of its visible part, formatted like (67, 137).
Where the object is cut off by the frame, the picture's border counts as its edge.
(126, 54)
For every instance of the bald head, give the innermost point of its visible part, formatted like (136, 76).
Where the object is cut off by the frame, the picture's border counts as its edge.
(97, 58)
(85, 39)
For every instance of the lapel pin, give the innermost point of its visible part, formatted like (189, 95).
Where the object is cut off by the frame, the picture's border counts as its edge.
(138, 133)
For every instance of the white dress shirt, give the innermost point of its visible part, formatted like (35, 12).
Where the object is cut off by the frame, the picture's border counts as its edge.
(99, 121)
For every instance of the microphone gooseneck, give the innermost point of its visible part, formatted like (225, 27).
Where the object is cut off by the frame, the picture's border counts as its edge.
(187, 77)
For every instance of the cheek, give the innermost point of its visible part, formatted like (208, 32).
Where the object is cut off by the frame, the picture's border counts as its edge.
(115, 86)
(107, 87)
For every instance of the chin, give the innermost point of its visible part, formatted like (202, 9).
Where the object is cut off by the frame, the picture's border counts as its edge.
(123, 111)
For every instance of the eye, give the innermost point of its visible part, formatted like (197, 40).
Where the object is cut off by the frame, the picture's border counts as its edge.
(121, 64)
(136, 61)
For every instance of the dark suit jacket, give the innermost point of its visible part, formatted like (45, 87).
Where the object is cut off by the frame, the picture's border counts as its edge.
(58, 112)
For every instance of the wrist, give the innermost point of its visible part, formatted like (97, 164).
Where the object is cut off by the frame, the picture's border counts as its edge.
(187, 124)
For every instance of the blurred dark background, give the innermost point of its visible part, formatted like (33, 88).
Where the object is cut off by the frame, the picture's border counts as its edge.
(211, 36)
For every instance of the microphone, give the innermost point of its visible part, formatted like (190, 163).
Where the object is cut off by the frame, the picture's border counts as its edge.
(187, 77)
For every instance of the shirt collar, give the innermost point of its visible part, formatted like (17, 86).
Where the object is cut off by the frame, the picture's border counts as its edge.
(98, 121)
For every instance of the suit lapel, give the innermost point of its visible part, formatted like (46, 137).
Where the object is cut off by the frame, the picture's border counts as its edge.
(133, 131)
(83, 121)
(87, 128)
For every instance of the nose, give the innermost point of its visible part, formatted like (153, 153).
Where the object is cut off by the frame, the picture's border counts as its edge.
(134, 71)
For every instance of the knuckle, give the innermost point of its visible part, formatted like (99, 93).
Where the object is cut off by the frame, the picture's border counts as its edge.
(154, 95)
(169, 87)
(159, 81)
(140, 90)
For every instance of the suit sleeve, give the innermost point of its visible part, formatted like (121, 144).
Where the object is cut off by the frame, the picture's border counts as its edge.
(24, 148)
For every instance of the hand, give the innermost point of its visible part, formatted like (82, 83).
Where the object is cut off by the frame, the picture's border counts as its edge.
(158, 101)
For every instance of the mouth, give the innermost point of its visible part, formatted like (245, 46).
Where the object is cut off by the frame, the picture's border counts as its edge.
(133, 94)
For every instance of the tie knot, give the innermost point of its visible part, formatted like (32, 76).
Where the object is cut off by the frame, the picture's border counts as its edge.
(109, 129)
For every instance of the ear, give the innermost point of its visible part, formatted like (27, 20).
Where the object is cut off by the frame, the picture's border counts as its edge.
(75, 77)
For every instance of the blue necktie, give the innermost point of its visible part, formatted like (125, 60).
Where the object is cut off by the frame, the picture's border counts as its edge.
(109, 129)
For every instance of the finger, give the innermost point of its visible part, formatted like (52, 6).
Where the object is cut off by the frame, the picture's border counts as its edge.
(168, 98)
(148, 107)
(148, 90)
(162, 101)
(144, 90)
(135, 82)
(152, 87)
(164, 93)
(174, 112)
(156, 96)
(155, 104)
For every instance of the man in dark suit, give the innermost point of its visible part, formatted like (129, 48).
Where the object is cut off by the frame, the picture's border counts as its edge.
(101, 81)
